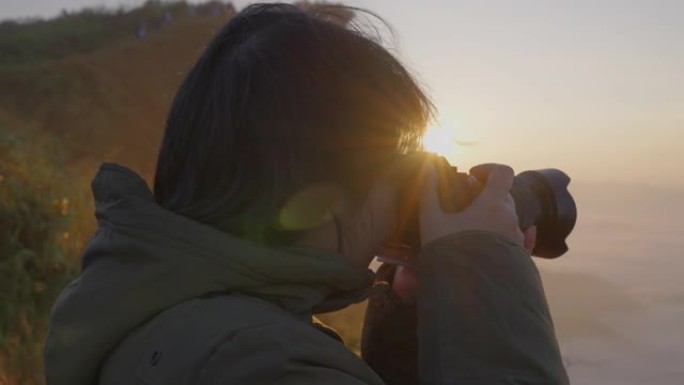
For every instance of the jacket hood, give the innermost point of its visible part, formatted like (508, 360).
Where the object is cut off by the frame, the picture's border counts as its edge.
(144, 259)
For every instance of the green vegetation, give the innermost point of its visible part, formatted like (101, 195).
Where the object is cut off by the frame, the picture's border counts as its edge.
(41, 233)
(77, 90)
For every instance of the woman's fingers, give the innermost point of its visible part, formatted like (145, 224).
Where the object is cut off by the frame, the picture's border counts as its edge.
(493, 209)
(497, 202)
(499, 183)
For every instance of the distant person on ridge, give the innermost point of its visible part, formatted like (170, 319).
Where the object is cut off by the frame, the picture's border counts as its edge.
(271, 198)
(141, 32)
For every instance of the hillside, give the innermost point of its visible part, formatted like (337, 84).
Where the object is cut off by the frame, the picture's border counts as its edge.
(109, 104)
(59, 118)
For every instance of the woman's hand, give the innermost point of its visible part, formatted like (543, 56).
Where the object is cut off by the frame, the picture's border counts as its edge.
(492, 210)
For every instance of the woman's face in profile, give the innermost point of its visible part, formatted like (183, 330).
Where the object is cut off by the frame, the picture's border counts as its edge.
(363, 229)
(356, 231)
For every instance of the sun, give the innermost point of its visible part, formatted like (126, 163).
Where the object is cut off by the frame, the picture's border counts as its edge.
(439, 140)
(459, 147)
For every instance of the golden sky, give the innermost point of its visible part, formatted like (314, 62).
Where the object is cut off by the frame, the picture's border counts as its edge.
(593, 87)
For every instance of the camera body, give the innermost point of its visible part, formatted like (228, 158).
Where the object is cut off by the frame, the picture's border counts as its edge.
(541, 198)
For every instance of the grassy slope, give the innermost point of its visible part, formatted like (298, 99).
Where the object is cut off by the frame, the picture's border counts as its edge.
(58, 120)
(110, 104)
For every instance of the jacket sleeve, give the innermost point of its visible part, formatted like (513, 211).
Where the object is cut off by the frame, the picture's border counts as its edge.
(483, 316)
(280, 354)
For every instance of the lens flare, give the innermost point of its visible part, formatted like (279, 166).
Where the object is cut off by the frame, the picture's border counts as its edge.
(459, 147)
(439, 140)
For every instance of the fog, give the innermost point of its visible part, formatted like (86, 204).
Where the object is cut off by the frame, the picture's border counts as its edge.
(618, 295)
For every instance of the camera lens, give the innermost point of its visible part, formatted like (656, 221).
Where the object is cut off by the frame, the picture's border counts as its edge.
(542, 199)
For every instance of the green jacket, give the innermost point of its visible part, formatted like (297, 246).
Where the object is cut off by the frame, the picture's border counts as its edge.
(163, 299)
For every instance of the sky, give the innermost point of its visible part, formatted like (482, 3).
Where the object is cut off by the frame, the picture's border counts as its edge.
(593, 87)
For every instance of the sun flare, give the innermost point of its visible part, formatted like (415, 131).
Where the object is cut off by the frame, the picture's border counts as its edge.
(439, 140)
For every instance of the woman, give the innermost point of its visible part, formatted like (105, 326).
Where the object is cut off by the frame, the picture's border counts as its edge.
(271, 197)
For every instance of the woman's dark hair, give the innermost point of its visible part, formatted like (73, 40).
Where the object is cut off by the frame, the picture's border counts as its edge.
(284, 96)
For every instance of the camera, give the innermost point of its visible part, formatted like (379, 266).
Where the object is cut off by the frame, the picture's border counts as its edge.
(541, 199)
